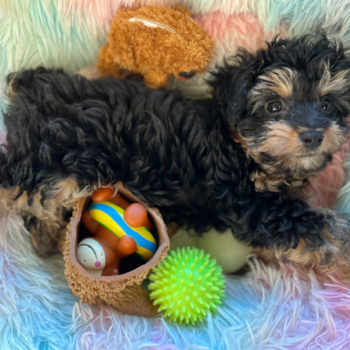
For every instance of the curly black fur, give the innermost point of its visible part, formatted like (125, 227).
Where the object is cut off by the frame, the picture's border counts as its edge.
(173, 153)
(239, 73)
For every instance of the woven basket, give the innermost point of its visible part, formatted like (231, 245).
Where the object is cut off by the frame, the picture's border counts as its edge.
(124, 291)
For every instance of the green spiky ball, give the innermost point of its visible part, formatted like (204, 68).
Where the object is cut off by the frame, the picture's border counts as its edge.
(187, 285)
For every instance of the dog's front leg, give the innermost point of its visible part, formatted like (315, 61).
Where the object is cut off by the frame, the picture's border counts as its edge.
(335, 249)
(292, 231)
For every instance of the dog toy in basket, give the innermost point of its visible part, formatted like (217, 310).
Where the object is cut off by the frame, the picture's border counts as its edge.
(187, 285)
(156, 42)
(120, 229)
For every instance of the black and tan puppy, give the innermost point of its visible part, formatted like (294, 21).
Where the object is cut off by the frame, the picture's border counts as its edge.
(276, 117)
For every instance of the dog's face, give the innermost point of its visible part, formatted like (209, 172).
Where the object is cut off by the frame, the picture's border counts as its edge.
(295, 118)
(287, 105)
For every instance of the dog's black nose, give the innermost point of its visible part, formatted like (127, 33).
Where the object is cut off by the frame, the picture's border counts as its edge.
(312, 139)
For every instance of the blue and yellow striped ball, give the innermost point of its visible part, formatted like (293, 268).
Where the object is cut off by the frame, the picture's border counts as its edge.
(112, 217)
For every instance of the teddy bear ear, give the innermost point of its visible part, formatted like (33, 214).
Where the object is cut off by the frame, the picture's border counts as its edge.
(182, 9)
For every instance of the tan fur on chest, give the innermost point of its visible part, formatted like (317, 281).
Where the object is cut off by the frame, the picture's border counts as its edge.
(264, 182)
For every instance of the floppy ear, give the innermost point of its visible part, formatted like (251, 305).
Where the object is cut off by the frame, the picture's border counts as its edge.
(231, 83)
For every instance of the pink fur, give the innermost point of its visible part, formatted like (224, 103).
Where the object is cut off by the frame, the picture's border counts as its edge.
(236, 30)
(287, 307)
(320, 316)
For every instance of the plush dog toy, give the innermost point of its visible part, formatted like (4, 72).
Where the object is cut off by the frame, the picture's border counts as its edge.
(157, 42)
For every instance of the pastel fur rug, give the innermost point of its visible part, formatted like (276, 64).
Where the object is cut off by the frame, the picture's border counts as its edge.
(284, 307)
(270, 308)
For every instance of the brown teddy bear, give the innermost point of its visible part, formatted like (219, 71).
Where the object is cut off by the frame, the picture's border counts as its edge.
(157, 42)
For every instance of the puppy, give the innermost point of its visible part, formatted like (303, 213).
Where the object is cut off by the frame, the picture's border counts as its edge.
(240, 162)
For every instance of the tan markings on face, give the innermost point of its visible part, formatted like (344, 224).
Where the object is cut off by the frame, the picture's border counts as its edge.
(335, 83)
(283, 144)
(279, 81)
(333, 138)
(279, 136)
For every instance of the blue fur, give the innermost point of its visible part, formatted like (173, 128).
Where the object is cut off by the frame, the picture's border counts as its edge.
(35, 301)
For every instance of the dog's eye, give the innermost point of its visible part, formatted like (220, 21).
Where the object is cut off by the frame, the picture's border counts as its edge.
(273, 106)
(327, 105)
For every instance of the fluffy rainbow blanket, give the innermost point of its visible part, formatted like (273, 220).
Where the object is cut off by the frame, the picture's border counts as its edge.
(285, 307)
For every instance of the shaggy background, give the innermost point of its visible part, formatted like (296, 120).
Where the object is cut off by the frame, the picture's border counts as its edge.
(269, 308)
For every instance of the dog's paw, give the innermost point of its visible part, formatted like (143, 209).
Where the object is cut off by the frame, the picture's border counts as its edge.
(334, 251)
